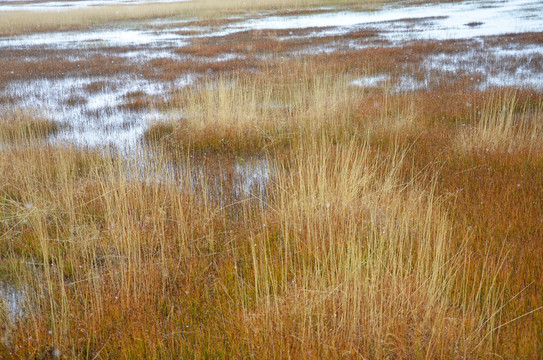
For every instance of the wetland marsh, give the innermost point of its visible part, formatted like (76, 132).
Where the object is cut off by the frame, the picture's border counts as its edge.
(274, 179)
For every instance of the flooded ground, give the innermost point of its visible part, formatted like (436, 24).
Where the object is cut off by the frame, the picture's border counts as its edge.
(11, 300)
(92, 117)
(458, 20)
(104, 70)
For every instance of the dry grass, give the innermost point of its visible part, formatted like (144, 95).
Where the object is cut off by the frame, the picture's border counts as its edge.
(504, 127)
(17, 125)
(342, 259)
(353, 249)
(361, 264)
(245, 114)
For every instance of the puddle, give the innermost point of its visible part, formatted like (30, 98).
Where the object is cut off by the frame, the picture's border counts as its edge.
(138, 56)
(372, 81)
(232, 180)
(227, 179)
(253, 175)
(401, 24)
(523, 78)
(105, 38)
(408, 83)
(496, 66)
(404, 83)
(12, 300)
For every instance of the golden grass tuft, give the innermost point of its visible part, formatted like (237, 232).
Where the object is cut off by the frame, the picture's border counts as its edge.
(247, 114)
(503, 125)
(355, 263)
(281, 212)
(16, 125)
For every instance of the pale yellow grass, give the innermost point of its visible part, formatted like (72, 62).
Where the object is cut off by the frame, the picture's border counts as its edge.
(72, 257)
(355, 263)
(17, 125)
(504, 126)
(345, 253)
(341, 258)
(18, 22)
(248, 113)
(396, 120)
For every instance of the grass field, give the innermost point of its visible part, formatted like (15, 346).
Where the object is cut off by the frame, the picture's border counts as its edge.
(277, 210)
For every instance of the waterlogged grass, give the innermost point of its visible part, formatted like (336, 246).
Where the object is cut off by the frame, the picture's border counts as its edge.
(341, 255)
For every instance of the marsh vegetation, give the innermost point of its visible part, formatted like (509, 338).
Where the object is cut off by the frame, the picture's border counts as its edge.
(270, 200)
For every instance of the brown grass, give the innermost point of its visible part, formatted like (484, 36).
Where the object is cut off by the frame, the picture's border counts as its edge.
(355, 248)
(503, 127)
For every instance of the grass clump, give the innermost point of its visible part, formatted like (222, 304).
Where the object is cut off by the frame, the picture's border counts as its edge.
(282, 212)
(504, 125)
(355, 263)
(365, 233)
(16, 125)
(246, 114)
